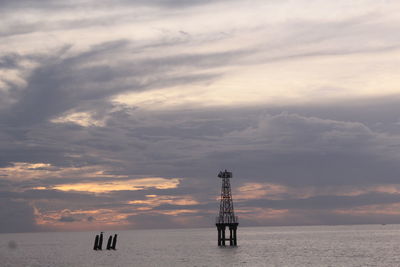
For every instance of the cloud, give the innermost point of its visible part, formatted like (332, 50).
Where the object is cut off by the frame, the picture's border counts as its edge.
(133, 184)
(16, 216)
(262, 147)
(161, 221)
(301, 105)
(59, 86)
(327, 202)
(67, 219)
(51, 4)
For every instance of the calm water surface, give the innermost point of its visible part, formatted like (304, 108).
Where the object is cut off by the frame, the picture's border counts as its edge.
(367, 245)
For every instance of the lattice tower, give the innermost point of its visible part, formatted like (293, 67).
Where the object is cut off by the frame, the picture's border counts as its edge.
(226, 211)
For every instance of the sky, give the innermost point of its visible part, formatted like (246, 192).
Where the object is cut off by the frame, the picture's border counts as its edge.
(119, 114)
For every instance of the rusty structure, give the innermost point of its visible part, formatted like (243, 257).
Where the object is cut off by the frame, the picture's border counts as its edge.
(226, 217)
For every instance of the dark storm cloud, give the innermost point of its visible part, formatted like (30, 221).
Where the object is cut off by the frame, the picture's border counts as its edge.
(31, 4)
(320, 217)
(60, 84)
(52, 194)
(57, 85)
(67, 219)
(325, 218)
(9, 61)
(347, 142)
(16, 216)
(20, 153)
(171, 207)
(328, 202)
(151, 221)
(289, 148)
(378, 113)
(309, 168)
(318, 151)
(323, 202)
(285, 147)
(55, 200)
(161, 221)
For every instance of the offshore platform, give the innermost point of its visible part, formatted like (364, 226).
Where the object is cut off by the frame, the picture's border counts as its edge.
(226, 217)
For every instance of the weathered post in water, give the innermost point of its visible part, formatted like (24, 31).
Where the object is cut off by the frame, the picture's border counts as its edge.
(100, 246)
(109, 243)
(96, 242)
(226, 217)
(114, 243)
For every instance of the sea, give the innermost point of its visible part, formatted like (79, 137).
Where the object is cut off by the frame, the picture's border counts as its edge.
(355, 245)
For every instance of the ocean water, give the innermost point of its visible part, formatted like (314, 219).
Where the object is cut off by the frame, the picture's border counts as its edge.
(358, 245)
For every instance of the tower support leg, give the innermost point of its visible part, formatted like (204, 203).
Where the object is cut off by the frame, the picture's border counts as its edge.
(230, 236)
(219, 236)
(234, 236)
(223, 235)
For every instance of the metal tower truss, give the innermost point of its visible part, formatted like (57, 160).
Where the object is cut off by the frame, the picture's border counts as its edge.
(226, 217)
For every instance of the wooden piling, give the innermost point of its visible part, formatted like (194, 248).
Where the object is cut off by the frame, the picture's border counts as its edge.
(100, 246)
(96, 242)
(109, 243)
(114, 243)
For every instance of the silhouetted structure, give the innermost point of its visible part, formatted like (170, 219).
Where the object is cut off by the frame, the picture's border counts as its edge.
(109, 243)
(114, 243)
(226, 217)
(100, 246)
(96, 242)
